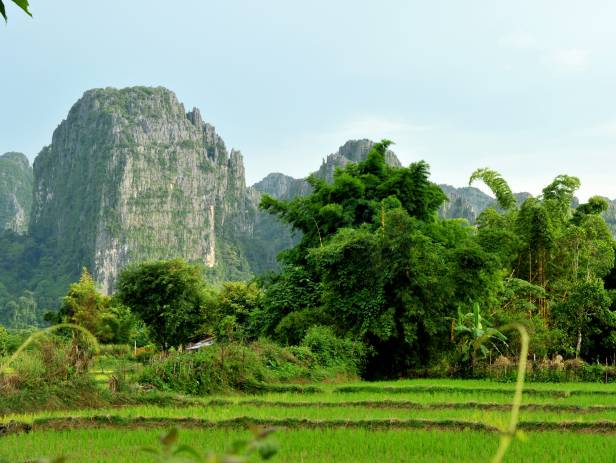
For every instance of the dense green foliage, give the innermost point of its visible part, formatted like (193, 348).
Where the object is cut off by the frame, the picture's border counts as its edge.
(32, 282)
(246, 367)
(379, 264)
(375, 264)
(557, 260)
(52, 370)
(377, 284)
(83, 305)
(170, 298)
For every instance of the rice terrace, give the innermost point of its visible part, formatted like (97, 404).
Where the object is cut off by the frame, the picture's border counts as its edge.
(440, 287)
(422, 421)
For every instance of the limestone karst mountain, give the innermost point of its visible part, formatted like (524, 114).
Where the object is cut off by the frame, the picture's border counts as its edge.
(130, 175)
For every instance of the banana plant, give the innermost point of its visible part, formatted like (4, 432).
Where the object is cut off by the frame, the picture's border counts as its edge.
(474, 333)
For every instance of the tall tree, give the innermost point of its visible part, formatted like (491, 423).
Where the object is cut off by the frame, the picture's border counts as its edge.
(169, 296)
(385, 269)
(586, 306)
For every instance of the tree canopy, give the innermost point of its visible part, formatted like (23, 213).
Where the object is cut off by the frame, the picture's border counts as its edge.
(169, 296)
(381, 265)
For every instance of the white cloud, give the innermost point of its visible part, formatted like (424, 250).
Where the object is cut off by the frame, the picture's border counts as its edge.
(570, 59)
(604, 129)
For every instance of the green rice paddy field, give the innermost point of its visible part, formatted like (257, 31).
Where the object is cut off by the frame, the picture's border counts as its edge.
(404, 421)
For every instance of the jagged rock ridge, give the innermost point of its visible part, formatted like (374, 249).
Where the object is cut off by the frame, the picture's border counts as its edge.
(353, 151)
(284, 187)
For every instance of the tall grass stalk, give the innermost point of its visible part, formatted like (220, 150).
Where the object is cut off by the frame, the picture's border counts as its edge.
(508, 435)
(38, 334)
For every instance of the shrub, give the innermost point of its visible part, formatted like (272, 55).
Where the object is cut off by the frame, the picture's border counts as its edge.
(52, 373)
(280, 362)
(145, 354)
(293, 327)
(15, 338)
(234, 366)
(206, 371)
(555, 371)
(49, 361)
(331, 351)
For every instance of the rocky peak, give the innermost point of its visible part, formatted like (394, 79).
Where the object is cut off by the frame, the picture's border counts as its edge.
(282, 186)
(17, 158)
(352, 151)
(194, 116)
(131, 176)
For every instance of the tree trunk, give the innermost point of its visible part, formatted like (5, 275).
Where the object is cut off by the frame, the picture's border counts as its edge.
(578, 347)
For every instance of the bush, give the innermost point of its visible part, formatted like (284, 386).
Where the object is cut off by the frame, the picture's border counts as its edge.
(206, 371)
(49, 361)
(280, 362)
(14, 338)
(234, 366)
(555, 371)
(331, 351)
(292, 328)
(52, 373)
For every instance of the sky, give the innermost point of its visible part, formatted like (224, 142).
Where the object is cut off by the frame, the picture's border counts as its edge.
(525, 87)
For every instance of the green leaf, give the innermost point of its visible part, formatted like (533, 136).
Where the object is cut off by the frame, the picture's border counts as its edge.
(2, 10)
(23, 4)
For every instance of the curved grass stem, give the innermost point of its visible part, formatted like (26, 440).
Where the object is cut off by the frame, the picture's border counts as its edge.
(508, 435)
(43, 332)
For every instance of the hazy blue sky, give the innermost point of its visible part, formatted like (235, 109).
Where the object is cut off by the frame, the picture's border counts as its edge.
(525, 87)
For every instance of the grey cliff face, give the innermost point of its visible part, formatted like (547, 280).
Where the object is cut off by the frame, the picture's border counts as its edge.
(131, 176)
(15, 192)
(464, 203)
(282, 186)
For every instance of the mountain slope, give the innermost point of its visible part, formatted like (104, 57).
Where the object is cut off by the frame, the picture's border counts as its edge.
(15, 192)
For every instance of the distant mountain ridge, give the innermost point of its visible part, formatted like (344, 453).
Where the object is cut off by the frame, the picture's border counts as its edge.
(285, 187)
(464, 202)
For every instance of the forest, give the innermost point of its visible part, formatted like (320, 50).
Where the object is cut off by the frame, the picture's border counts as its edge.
(376, 265)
